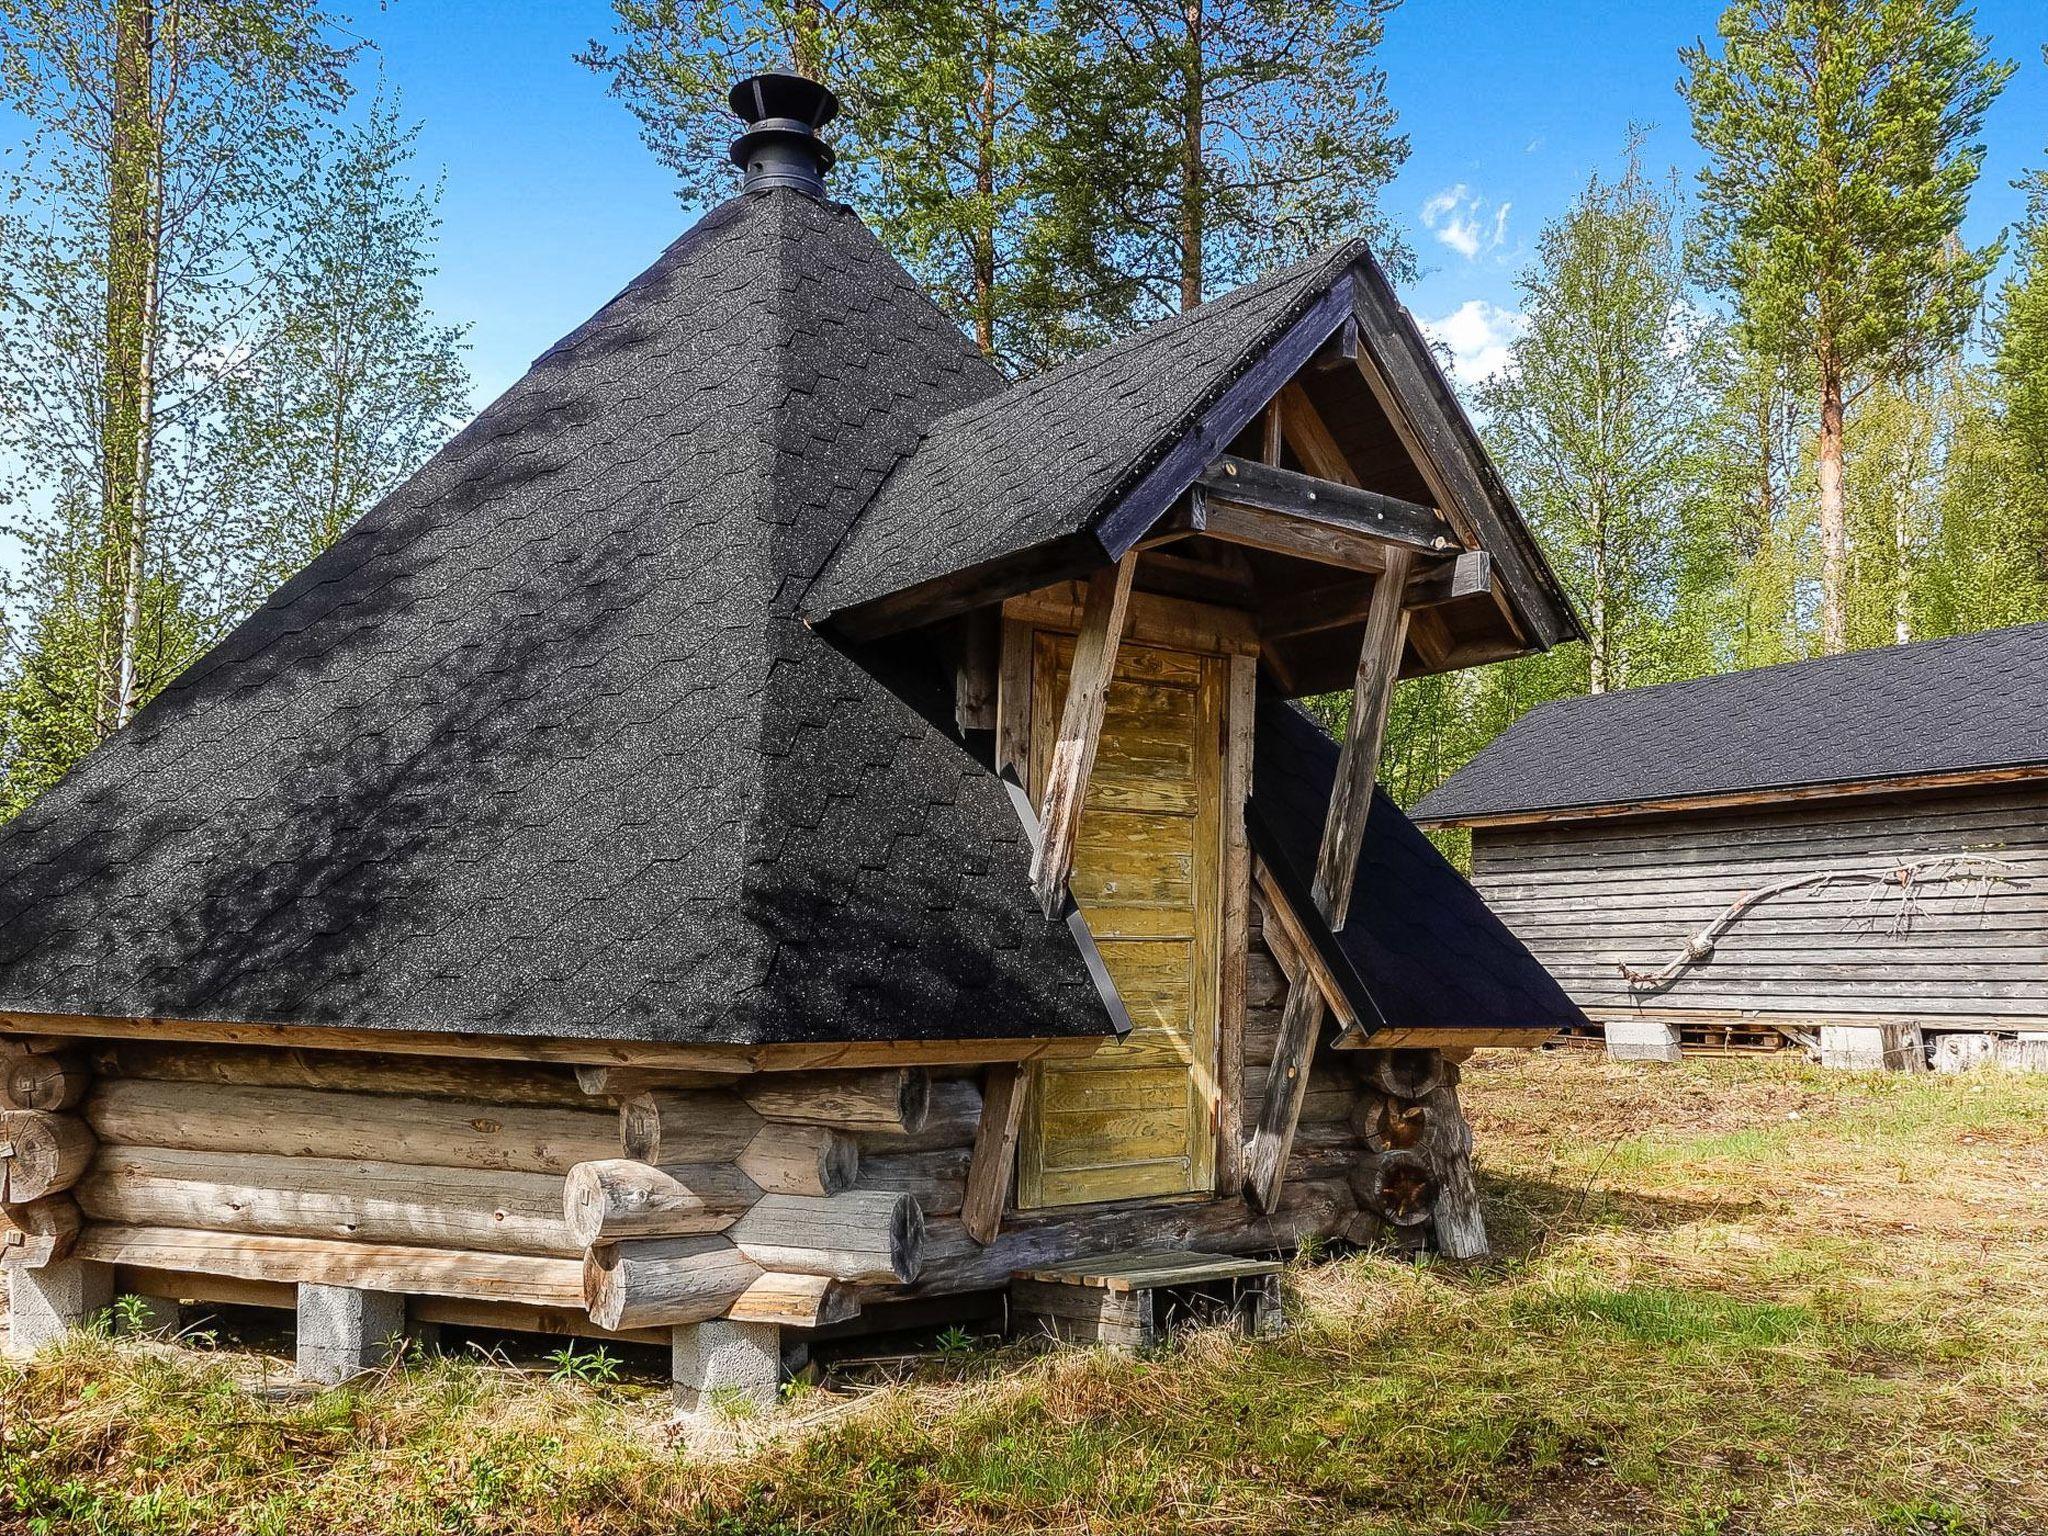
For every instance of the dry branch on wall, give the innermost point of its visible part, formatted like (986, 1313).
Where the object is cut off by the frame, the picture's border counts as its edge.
(1908, 878)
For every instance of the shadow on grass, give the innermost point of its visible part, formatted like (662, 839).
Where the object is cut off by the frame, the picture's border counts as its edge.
(1526, 1213)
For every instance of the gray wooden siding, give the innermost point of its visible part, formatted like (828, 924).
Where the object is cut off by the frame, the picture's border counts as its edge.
(1584, 896)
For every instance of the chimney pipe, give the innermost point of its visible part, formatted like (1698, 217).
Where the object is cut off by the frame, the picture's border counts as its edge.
(781, 147)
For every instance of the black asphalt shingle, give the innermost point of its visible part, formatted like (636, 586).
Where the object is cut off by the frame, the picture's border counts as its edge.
(1430, 953)
(541, 746)
(1047, 457)
(1974, 702)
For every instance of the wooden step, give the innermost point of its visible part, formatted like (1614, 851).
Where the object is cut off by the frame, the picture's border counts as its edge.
(1137, 1300)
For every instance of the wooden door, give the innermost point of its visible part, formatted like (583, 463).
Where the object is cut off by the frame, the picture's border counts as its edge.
(1137, 1118)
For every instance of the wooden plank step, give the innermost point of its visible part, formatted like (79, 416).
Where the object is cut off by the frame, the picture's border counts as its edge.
(1153, 1269)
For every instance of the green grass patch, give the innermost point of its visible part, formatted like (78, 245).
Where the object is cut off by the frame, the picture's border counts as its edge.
(1729, 1300)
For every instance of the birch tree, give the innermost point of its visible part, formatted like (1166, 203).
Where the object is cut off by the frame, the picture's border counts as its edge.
(136, 211)
(1596, 418)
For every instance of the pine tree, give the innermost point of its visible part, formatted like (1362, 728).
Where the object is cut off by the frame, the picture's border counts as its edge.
(1217, 139)
(1840, 162)
(941, 146)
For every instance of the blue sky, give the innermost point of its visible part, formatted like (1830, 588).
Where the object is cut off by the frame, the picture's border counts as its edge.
(552, 204)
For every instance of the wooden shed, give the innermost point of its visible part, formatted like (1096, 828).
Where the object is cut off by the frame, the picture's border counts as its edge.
(1848, 854)
(774, 827)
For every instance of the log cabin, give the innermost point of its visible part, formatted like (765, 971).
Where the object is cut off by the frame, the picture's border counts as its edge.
(775, 826)
(1847, 855)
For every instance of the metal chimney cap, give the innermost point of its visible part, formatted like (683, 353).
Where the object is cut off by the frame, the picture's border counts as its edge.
(781, 147)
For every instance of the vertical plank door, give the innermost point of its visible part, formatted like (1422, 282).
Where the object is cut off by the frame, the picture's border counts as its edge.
(1136, 1118)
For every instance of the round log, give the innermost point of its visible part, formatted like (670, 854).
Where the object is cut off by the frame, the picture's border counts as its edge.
(1387, 1124)
(879, 1099)
(789, 1159)
(1405, 1074)
(38, 1233)
(952, 1116)
(406, 1268)
(41, 1154)
(489, 1211)
(664, 1281)
(619, 1198)
(1399, 1186)
(299, 1122)
(666, 1125)
(937, 1181)
(864, 1234)
(54, 1083)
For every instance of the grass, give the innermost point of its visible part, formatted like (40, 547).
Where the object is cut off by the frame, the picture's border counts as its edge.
(1730, 1298)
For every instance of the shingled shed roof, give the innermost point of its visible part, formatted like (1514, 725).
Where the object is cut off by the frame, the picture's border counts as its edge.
(1421, 947)
(1040, 462)
(541, 747)
(1968, 705)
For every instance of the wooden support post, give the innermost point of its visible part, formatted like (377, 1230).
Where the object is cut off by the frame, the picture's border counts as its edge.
(974, 672)
(995, 1151)
(1073, 753)
(1457, 1225)
(1379, 664)
(1286, 1084)
(1234, 964)
(1269, 448)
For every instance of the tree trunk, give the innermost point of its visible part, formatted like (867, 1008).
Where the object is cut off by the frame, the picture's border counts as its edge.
(125, 368)
(985, 186)
(1194, 168)
(1834, 526)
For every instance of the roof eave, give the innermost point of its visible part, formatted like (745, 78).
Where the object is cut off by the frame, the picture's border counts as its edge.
(1735, 799)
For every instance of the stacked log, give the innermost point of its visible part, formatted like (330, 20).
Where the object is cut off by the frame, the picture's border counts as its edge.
(38, 1233)
(45, 1149)
(282, 1166)
(744, 1201)
(379, 1202)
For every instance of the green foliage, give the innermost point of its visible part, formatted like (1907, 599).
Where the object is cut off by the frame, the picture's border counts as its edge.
(164, 459)
(1840, 162)
(1596, 420)
(1210, 142)
(569, 1364)
(350, 383)
(1054, 171)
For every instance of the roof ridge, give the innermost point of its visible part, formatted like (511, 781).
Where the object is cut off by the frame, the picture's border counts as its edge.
(1800, 664)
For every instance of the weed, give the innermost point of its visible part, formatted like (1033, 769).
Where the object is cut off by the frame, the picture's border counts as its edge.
(569, 1364)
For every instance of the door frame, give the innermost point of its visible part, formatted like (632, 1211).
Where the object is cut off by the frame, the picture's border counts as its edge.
(1202, 630)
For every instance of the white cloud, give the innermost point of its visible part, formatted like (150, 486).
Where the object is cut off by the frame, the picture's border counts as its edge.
(1460, 219)
(1478, 335)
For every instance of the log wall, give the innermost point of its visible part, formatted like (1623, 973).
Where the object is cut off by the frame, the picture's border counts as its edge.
(614, 1204)
(1585, 896)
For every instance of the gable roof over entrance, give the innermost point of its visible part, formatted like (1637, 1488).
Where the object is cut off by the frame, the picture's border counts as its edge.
(1059, 472)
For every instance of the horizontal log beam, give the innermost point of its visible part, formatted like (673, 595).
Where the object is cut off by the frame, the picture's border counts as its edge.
(44, 1030)
(1435, 581)
(1268, 488)
(537, 1282)
(491, 1211)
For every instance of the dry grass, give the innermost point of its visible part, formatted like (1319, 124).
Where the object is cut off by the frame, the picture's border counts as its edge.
(1741, 1297)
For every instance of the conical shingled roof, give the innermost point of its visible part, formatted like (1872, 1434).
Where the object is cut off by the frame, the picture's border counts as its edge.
(541, 747)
